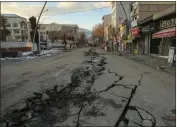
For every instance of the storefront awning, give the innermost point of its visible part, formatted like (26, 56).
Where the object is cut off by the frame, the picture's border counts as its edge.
(165, 33)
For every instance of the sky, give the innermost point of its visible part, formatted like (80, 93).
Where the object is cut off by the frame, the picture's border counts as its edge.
(55, 12)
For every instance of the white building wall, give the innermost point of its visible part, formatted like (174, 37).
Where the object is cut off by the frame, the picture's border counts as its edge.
(118, 15)
(13, 29)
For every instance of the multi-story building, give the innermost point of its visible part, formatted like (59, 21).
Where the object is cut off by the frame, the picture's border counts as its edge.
(70, 30)
(18, 26)
(139, 12)
(106, 22)
(118, 15)
(142, 10)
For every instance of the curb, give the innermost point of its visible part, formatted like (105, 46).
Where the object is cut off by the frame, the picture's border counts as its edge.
(174, 73)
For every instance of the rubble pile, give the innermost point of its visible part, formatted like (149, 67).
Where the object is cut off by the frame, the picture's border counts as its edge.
(44, 109)
(91, 52)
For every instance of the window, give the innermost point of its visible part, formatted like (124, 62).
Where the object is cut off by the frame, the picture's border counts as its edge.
(15, 25)
(8, 25)
(16, 31)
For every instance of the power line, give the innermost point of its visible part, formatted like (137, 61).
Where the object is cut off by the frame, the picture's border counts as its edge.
(85, 10)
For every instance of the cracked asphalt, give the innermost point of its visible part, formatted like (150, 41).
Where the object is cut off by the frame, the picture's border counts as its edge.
(155, 94)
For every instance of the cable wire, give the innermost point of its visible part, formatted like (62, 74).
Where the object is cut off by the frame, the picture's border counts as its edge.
(85, 10)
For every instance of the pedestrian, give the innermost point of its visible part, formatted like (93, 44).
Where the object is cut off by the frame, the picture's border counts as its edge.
(64, 40)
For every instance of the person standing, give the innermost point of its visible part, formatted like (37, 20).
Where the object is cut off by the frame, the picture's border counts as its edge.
(65, 42)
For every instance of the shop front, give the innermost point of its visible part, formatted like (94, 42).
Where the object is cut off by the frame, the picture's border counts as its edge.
(128, 44)
(166, 36)
(146, 32)
(135, 36)
(115, 44)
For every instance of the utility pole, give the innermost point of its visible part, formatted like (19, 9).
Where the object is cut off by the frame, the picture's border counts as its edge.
(37, 27)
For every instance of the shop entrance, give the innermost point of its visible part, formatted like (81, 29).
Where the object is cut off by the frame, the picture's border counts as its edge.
(154, 46)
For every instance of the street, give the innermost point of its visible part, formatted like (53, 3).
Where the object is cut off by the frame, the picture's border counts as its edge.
(156, 93)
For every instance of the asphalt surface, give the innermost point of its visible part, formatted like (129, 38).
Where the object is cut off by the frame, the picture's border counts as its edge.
(156, 94)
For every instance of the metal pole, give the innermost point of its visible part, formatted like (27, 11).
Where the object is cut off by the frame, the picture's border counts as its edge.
(37, 25)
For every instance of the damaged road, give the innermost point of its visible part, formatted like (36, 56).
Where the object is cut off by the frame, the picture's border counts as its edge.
(92, 96)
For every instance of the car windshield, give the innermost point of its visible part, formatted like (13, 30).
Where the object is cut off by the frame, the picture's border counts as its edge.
(85, 63)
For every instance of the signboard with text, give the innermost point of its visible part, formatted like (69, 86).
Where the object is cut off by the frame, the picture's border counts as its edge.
(168, 23)
(147, 29)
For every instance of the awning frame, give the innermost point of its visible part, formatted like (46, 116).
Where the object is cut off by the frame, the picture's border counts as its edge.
(171, 32)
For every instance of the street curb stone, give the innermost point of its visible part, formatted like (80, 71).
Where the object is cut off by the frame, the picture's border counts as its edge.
(145, 63)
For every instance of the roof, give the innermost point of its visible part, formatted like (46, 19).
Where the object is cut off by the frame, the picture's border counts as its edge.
(12, 16)
(70, 25)
(165, 12)
(106, 15)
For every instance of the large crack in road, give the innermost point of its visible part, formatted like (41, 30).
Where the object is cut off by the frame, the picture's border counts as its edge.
(57, 105)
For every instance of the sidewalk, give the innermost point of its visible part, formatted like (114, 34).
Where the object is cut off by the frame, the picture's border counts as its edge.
(156, 62)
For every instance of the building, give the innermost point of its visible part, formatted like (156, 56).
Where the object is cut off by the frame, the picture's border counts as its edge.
(148, 27)
(18, 26)
(106, 23)
(43, 31)
(118, 16)
(70, 30)
(123, 37)
(165, 36)
(139, 12)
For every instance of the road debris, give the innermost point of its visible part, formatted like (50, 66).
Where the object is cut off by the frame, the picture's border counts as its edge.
(55, 105)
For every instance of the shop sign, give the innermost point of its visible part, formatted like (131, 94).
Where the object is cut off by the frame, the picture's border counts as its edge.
(147, 29)
(167, 23)
(135, 32)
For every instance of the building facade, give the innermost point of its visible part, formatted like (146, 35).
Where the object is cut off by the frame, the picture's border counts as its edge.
(18, 26)
(43, 31)
(118, 16)
(165, 37)
(139, 12)
(106, 23)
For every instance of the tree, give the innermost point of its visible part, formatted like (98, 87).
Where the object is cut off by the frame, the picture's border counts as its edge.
(82, 38)
(33, 27)
(4, 32)
(98, 32)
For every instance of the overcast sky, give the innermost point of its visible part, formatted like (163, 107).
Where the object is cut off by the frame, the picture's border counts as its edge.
(84, 19)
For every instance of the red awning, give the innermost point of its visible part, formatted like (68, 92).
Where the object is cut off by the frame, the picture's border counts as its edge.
(165, 33)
